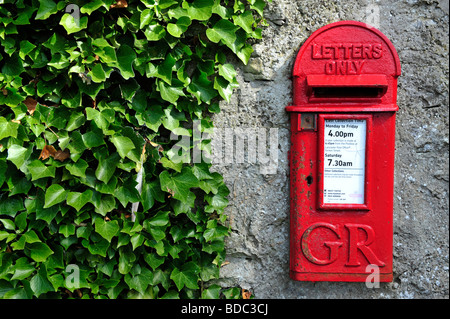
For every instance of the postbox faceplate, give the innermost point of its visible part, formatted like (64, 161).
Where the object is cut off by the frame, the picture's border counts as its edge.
(342, 154)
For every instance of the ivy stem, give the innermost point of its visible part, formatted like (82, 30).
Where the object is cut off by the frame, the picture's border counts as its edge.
(51, 130)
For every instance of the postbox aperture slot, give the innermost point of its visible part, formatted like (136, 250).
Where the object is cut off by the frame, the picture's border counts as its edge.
(323, 88)
(346, 92)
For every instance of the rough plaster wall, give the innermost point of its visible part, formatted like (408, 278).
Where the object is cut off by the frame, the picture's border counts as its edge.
(258, 248)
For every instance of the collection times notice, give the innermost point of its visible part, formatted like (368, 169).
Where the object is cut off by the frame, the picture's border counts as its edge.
(344, 161)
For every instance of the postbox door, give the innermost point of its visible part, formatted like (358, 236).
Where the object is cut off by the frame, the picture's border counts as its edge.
(341, 195)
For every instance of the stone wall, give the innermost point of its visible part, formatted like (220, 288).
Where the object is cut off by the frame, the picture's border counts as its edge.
(258, 248)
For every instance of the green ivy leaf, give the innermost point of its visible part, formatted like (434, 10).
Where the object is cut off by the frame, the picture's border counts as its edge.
(22, 270)
(77, 200)
(141, 281)
(146, 18)
(128, 192)
(8, 224)
(245, 21)
(214, 231)
(102, 119)
(169, 164)
(76, 120)
(224, 31)
(232, 293)
(186, 276)
(150, 193)
(137, 240)
(126, 260)
(91, 6)
(40, 283)
(154, 32)
(107, 54)
(164, 70)
(228, 72)
(244, 53)
(212, 292)
(31, 237)
(103, 204)
(17, 293)
(178, 185)
(160, 219)
(46, 9)
(170, 93)
(200, 9)
(97, 73)
(54, 194)
(225, 88)
(67, 230)
(258, 5)
(153, 260)
(202, 89)
(107, 229)
(123, 145)
(164, 4)
(100, 247)
(10, 96)
(38, 170)
(78, 168)
(107, 167)
(39, 251)
(90, 139)
(21, 221)
(7, 128)
(179, 27)
(125, 59)
(73, 25)
(25, 48)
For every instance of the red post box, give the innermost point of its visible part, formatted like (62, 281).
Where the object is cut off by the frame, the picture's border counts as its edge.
(342, 154)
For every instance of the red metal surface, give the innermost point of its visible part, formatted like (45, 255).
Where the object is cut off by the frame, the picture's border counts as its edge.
(344, 71)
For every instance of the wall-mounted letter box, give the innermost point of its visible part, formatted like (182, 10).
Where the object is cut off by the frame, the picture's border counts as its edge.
(342, 154)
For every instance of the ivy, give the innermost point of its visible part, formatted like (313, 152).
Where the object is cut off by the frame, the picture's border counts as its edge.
(93, 203)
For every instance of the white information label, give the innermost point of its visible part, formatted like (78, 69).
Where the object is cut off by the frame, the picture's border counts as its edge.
(344, 161)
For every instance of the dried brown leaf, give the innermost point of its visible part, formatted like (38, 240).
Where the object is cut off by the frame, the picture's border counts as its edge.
(62, 155)
(47, 151)
(30, 103)
(119, 4)
(246, 294)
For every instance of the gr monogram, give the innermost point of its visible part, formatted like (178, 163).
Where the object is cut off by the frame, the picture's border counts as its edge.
(354, 241)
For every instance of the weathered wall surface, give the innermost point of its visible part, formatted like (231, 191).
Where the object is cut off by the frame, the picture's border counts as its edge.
(258, 249)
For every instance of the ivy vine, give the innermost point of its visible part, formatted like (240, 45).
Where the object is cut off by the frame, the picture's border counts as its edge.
(93, 203)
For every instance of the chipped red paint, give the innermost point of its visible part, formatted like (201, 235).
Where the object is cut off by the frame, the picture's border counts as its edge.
(344, 71)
